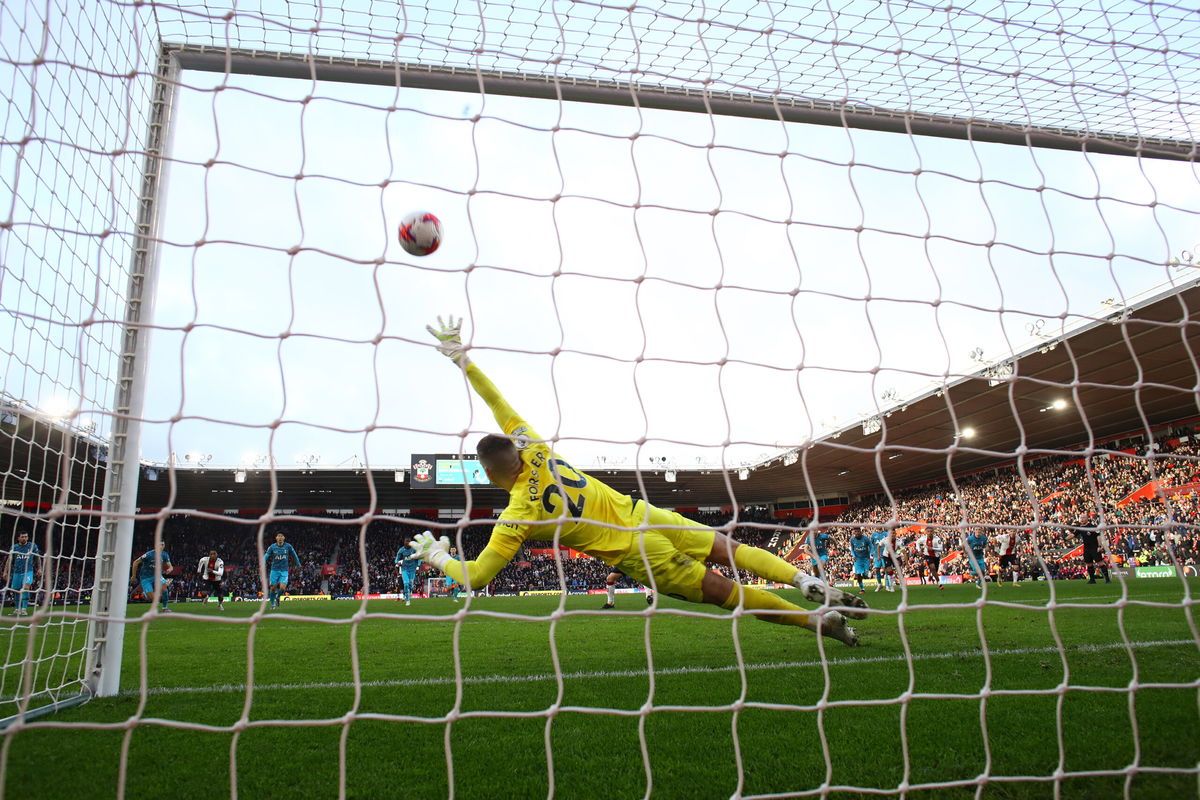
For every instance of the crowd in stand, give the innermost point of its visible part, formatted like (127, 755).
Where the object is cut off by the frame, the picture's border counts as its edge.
(1045, 504)
(1046, 509)
(353, 551)
(187, 539)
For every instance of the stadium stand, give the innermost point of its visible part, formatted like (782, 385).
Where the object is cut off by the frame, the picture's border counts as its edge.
(1149, 510)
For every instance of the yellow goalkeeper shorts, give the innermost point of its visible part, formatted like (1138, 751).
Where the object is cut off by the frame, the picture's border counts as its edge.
(670, 571)
(688, 536)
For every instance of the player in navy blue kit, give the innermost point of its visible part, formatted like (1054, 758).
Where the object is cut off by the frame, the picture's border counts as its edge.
(883, 561)
(407, 563)
(976, 548)
(860, 548)
(143, 571)
(820, 553)
(277, 559)
(22, 562)
(453, 586)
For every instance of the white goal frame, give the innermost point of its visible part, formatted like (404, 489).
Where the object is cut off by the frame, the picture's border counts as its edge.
(301, 66)
(110, 597)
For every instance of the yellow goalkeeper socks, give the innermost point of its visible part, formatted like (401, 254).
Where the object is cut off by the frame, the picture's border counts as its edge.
(756, 599)
(763, 564)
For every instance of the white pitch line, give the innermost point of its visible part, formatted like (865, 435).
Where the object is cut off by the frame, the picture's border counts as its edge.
(486, 679)
(279, 625)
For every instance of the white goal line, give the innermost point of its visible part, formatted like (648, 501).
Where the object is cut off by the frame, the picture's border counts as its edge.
(594, 674)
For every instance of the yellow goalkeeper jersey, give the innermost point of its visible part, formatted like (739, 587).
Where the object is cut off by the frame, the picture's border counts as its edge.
(551, 496)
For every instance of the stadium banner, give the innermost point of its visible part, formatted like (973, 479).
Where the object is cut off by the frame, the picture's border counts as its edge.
(565, 552)
(912, 580)
(1163, 571)
(307, 597)
(329, 569)
(374, 596)
(421, 476)
(534, 592)
(1076, 553)
(622, 590)
(1144, 493)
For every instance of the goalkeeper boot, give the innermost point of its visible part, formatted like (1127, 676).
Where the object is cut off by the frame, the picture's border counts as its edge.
(818, 592)
(833, 624)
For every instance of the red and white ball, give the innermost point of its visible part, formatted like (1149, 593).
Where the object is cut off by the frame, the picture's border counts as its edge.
(420, 233)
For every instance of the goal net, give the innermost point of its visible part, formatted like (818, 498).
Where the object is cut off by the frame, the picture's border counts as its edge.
(76, 131)
(800, 272)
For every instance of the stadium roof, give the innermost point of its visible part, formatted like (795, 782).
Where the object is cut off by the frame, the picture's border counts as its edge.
(1129, 373)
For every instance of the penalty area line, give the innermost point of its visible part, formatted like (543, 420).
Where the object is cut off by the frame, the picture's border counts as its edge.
(631, 673)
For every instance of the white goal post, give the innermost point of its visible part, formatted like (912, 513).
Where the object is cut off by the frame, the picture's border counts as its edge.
(784, 108)
(111, 591)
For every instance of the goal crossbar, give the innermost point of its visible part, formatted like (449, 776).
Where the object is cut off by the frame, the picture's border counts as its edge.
(279, 64)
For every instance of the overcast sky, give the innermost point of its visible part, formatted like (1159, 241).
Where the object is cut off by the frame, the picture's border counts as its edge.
(299, 322)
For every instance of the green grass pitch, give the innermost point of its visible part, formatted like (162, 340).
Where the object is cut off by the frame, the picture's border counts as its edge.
(491, 706)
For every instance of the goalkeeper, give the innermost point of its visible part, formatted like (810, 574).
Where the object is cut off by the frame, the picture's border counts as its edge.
(658, 548)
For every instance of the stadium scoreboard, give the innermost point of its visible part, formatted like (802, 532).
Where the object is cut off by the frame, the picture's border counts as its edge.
(447, 469)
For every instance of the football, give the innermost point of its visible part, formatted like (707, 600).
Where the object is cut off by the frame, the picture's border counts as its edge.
(420, 233)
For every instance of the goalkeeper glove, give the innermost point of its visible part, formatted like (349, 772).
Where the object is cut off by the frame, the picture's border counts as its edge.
(432, 551)
(449, 336)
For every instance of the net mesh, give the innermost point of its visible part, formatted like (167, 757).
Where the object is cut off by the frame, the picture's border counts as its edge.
(664, 293)
(74, 117)
(1083, 66)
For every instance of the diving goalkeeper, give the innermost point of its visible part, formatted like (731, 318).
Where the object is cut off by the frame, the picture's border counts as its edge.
(660, 549)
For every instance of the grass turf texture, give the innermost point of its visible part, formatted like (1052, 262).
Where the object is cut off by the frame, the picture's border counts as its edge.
(697, 717)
